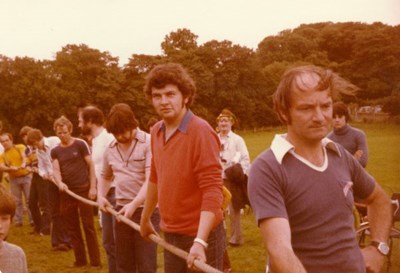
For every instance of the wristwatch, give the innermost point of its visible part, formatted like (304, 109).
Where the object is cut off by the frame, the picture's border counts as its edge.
(382, 247)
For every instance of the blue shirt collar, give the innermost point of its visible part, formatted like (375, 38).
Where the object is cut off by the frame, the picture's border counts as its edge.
(184, 123)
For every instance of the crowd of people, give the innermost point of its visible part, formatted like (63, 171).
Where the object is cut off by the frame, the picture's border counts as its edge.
(172, 179)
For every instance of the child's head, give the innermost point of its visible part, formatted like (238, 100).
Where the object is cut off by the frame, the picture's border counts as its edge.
(7, 211)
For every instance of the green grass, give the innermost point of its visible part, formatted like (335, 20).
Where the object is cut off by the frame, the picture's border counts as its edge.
(384, 164)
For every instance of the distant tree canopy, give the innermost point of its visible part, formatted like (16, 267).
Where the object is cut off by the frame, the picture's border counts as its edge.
(230, 76)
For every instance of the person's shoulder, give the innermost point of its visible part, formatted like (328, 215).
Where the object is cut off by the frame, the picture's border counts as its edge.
(52, 140)
(143, 136)
(236, 136)
(265, 157)
(20, 147)
(106, 136)
(80, 141)
(358, 131)
(14, 249)
(199, 123)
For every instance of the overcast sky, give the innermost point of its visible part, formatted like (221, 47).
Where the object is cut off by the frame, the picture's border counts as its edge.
(40, 28)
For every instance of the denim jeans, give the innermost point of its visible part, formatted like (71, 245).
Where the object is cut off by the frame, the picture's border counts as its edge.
(39, 204)
(58, 230)
(20, 186)
(74, 210)
(214, 252)
(135, 254)
(108, 223)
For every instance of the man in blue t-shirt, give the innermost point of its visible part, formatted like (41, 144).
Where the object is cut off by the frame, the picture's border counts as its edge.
(302, 189)
(74, 170)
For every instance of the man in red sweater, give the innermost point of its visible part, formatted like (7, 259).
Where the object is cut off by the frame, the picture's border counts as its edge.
(186, 175)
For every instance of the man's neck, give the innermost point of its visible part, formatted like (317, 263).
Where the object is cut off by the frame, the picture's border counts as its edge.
(96, 130)
(171, 125)
(68, 142)
(310, 150)
(224, 133)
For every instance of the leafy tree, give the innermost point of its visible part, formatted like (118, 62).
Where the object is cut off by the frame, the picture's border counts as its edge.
(178, 41)
(29, 95)
(88, 76)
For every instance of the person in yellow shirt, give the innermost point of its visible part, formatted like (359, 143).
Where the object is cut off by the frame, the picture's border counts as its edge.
(13, 162)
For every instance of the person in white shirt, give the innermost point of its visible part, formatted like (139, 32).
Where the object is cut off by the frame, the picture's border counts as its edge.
(43, 145)
(91, 120)
(233, 151)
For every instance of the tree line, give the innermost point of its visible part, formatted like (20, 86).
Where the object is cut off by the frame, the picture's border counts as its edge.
(36, 92)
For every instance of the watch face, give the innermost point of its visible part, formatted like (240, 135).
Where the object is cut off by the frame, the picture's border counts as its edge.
(383, 248)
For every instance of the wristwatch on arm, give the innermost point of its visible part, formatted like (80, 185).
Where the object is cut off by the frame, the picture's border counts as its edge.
(382, 247)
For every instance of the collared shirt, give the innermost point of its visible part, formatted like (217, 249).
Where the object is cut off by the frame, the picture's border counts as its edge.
(44, 157)
(234, 150)
(187, 172)
(318, 204)
(129, 173)
(280, 147)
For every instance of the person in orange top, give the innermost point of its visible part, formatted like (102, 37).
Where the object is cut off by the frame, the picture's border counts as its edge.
(186, 175)
(13, 161)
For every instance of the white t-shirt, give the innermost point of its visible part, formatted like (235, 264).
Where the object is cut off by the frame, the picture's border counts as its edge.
(99, 145)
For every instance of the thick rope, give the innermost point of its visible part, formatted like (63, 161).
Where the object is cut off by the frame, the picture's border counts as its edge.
(156, 239)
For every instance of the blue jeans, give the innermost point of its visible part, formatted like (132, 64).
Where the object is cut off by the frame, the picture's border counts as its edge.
(135, 254)
(214, 252)
(108, 223)
(21, 186)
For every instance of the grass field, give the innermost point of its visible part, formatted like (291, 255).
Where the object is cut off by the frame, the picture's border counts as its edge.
(384, 165)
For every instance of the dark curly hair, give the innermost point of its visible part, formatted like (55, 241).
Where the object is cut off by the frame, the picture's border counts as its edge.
(171, 73)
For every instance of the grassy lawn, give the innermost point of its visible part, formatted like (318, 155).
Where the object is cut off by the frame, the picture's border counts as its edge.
(384, 165)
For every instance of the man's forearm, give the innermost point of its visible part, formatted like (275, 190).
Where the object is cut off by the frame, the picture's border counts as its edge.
(151, 201)
(103, 187)
(380, 215)
(206, 223)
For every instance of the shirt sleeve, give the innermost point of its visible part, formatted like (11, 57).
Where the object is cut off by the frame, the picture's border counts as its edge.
(265, 188)
(208, 170)
(361, 141)
(364, 183)
(84, 148)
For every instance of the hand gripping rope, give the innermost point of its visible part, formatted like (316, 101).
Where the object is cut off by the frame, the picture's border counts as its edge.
(156, 239)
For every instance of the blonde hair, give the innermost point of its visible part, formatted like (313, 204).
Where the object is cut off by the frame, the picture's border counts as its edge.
(62, 121)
